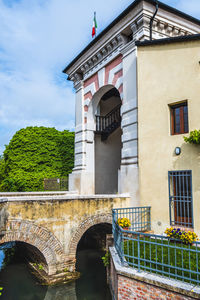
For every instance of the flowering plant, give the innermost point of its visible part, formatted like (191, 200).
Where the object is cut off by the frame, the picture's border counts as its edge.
(124, 222)
(184, 236)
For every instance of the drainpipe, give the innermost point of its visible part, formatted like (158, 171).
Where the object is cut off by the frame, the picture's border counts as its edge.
(152, 19)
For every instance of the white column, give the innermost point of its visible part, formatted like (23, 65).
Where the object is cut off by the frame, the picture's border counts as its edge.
(82, 177)
(128, 174)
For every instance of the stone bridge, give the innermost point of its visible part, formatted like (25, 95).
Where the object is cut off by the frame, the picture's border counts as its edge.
(52, 224)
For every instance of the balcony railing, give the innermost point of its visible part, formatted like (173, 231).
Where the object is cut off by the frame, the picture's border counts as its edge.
(140, 217)
(155, 253)
(105, 125)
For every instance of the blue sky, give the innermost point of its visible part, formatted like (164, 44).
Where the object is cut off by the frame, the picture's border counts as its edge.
(38, 38)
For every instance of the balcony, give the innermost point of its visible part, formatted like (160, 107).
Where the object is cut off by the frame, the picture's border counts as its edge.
(107, 124)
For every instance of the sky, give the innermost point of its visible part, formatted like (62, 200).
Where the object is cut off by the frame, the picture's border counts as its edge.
(38, 38)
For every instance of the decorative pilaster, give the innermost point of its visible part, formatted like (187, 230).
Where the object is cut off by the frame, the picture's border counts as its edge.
(79, 162)
(75, 178)
(128, 174)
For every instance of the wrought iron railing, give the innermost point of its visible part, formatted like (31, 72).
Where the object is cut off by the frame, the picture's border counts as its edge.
(140, 217)
(105, 125)
(157, 253)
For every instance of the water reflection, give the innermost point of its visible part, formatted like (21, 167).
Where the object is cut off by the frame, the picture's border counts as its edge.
(20, 284)
(2, 256)
(92, 284)
(63, 292)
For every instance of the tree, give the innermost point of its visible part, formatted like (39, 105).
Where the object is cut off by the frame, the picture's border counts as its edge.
(2, 168)
(35, 153)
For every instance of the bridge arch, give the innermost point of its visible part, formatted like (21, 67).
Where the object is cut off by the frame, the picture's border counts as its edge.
(38, 237)
(83, 227)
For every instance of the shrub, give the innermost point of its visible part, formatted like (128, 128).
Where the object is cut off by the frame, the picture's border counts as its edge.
(106, 259)
(194, 137)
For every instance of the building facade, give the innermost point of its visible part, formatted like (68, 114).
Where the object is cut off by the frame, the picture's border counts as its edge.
(168, 109)
(105, 79)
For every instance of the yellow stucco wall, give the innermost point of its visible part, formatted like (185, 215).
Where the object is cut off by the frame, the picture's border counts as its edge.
(167, 74)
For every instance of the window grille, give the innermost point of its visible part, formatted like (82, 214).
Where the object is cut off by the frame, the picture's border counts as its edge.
(180, 198)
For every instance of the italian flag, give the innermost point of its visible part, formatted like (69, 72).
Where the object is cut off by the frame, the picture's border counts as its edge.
(94, 28)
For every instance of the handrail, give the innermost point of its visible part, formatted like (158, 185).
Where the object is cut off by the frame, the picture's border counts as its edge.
(140, 217)
(113, 110)
(155, 253)
(108, 123)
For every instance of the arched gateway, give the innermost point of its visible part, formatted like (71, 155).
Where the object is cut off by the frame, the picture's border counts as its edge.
(98, 143)
(104, 111)
(111, 61)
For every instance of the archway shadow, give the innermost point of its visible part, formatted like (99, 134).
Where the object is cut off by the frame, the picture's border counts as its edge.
(92, 283)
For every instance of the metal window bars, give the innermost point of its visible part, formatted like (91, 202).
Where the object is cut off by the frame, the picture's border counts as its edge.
(180, 198)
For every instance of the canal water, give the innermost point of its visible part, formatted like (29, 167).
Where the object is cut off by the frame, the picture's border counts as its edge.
(19, 284)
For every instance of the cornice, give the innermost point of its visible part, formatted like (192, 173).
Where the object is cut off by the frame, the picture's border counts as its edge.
(105, 54)
(78, 85)
(123, 43)
(125, 16)
(128, 48)
(102, 54)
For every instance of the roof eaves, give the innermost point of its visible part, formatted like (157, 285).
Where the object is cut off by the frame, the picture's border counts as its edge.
(123, 14)
(177, 39)
(115, 21)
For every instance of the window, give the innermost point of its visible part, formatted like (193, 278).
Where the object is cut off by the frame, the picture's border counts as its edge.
(179, 118)
(180, 198)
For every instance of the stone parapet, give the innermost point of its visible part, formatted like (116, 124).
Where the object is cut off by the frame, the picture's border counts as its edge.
(128, 284)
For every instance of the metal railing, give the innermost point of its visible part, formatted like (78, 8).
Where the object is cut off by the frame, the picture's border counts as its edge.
(140, 217)
(107, 124)
(55, 184)
(157, 253)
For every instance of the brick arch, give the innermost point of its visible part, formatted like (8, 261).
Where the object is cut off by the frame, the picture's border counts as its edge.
(37, 236)
(83, 227)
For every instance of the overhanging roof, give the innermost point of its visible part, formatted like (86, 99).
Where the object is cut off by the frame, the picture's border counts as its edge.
(121, 16)
(176, 39)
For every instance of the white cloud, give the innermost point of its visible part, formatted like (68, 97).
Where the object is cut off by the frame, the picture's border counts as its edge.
(38, 38)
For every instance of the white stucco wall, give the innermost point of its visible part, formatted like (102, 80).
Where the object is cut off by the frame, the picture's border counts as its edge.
(107, 163)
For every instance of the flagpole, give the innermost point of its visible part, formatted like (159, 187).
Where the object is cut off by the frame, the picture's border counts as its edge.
(94, 28)
(95, 19)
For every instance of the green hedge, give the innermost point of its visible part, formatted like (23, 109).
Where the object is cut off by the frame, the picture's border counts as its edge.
(35, 153)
